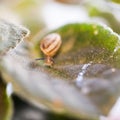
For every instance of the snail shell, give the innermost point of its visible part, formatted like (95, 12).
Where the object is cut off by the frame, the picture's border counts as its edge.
(50, 44)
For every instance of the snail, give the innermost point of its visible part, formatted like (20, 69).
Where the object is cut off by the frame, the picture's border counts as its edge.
(50, 45)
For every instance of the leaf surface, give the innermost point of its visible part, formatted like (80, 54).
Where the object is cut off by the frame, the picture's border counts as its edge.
(84, 80)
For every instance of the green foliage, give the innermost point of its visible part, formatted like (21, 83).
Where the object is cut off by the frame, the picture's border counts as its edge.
(5, 103)
(116, 1)
(87, 42)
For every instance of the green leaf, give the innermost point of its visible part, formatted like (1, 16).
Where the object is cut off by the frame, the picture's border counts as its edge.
(5, 103)
(116, 1)
(84, 81)
(87, 38)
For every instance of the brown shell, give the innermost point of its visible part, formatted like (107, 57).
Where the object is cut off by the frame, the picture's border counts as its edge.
(50, 44)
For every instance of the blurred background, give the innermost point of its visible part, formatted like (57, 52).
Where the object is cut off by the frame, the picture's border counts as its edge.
(38, 15)
(41, 15)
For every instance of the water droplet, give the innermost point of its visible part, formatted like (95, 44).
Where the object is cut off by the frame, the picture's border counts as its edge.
(80, 76)
(9, 89)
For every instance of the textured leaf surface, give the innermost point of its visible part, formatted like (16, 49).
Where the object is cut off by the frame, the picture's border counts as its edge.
(84, 80)
(10, 35)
